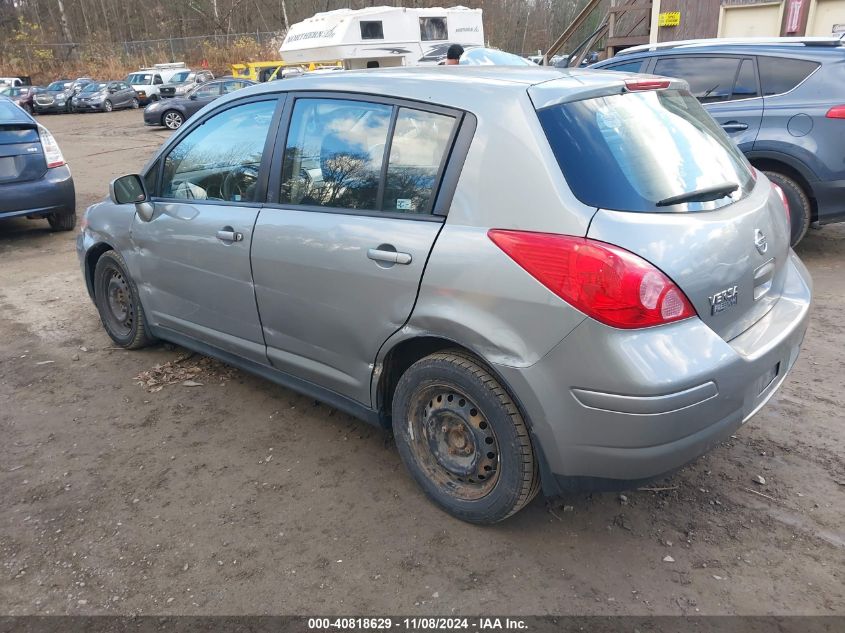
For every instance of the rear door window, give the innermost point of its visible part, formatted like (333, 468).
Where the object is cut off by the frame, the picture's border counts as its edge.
(334, 153)
(746, 81)
(780, 74)
(711, 79)
(341, 154)
(636, 151)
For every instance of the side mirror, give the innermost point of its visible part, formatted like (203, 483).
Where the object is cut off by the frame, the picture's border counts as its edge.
(131, 190)
(193, 97)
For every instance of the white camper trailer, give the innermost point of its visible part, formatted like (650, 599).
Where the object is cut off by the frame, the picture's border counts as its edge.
(379, 37)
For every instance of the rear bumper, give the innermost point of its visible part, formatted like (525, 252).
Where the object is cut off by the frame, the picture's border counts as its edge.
(830, 197)
(52, 193)
(610, 407)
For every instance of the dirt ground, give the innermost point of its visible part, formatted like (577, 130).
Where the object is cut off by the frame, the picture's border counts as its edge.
(239, 497)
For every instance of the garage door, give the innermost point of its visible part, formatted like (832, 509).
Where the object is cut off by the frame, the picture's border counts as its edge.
(826, 14)
(751, 21)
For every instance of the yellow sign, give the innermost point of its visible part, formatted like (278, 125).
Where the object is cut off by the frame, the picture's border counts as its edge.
(670, 18)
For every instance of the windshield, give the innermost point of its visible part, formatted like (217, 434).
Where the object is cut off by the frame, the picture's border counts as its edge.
(137, 79)
(638, 151)
(180, 77)
(7, 92)
(95, 87)
(57, 86)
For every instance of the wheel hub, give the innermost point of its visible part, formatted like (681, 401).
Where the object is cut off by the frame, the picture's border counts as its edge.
(119, 301)
(458, 443)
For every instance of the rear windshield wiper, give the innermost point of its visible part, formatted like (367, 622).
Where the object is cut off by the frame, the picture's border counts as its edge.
(705, 194)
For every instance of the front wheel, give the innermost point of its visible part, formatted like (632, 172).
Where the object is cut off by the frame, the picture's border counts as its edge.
(172, 119)
(108, 106)
(117, 301)
(463, 439)
(800, 207)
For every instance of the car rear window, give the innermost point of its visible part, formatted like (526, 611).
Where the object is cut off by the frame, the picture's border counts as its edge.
(780, 74)
(11, 133)
(632, 151)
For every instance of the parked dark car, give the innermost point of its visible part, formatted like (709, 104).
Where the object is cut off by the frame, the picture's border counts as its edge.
(105, 96)
(22, 95)
(34, 180)
(781, 100)
(181, 83)
(57, 96)
(172, 113)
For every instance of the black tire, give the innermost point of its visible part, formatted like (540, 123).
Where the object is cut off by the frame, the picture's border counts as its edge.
(172, 119)
(28, 108)
(800, 207)
(455, 406)
(117, 301)
(62, 221)
(135, 103)
(107, 106)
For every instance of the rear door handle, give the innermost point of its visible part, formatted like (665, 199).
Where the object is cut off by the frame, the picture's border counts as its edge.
(390, 257)
(228, 234)
(734, 126)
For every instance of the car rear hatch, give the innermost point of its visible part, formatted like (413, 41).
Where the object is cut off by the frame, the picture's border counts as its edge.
(671, 187)
(21, 154)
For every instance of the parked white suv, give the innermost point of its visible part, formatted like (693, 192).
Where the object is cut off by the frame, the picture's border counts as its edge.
(148, 81)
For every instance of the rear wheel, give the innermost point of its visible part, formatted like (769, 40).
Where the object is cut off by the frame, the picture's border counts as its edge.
(800, 207)
(463, 440)
(62, 221)
(135, 103)
(117, 301)
(108, 106)
(172, 119)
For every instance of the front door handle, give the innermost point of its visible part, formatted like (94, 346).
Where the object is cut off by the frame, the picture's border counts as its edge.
(389, 257)
(228, 234)
(734, 126)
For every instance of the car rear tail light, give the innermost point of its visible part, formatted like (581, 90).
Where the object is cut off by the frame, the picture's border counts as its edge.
(635, 85)
(52, 153)
(605, 282)
(836, 112)
(783, 199)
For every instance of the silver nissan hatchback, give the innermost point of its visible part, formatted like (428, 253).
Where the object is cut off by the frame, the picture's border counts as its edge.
(536, 279)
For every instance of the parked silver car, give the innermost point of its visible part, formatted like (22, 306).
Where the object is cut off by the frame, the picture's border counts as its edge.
(535, 278)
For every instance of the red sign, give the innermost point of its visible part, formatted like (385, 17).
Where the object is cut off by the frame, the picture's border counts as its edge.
(793, 16)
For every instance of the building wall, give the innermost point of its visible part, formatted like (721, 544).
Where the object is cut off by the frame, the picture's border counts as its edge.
(702, 18)
(699, 19)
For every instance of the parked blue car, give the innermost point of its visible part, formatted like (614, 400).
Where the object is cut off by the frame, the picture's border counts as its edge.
(35, 181)
(782, 100)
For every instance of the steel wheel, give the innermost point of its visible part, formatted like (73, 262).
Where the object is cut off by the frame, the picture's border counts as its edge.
(117, 301)
(172, 120)
(120, 310)
(454, 443)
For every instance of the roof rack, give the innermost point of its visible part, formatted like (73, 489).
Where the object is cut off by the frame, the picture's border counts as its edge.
(740, 41)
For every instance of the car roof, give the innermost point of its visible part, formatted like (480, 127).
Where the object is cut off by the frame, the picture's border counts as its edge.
(813, 47)
(459, 86)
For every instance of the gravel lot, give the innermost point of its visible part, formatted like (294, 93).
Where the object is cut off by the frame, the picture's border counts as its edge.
(239, 497)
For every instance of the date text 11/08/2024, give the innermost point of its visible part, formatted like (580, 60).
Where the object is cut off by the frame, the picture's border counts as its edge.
(417, 624)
